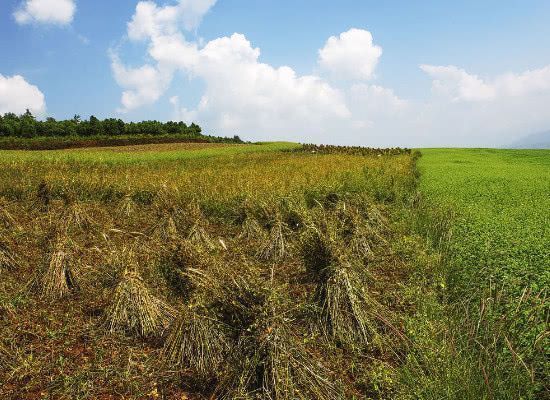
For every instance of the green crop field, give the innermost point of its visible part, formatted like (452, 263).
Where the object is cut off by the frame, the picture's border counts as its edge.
(487, 211)
(273, 271)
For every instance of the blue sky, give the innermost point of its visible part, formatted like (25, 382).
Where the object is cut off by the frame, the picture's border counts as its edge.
(71, 63)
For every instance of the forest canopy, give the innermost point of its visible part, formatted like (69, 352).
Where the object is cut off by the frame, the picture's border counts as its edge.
(27, 126)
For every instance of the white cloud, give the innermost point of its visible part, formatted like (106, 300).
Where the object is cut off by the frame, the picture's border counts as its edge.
(174, 51)
(468, 110)
(16, 95)
(376, 100)
(151, 20)
(457, 84)
(245, 96)
(241, 93)
(182, 113)
(465, 110)
(60, 12)
(352, 55)
(193, 11)
(143, 85)
(526, 83)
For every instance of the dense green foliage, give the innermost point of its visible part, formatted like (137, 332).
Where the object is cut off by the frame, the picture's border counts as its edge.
(27, 126)
(487, 211)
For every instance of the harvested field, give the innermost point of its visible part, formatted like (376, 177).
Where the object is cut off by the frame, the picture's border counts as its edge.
(160, 265)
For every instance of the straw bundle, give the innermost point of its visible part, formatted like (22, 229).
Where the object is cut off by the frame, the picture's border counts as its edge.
(135, 310)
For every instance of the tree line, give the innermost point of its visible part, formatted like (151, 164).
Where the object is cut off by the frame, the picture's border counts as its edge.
(27, 126)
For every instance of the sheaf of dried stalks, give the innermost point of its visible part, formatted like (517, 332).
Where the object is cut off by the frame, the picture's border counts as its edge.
(181, 258)
(127, 206)
(8, 260)
(347, 310)
(135, 310)
(196, 341)
(59, 278)
(6, 219)
(76, 215)
(269, 362)
(251, 229)
(275, 247)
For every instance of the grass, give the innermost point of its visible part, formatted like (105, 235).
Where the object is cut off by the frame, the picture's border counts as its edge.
(486, 211)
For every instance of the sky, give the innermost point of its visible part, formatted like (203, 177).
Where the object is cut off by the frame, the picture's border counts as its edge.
(371, 73)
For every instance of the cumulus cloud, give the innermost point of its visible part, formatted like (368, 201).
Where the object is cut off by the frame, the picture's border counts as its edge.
(182, 113)
(150, 20)
(243, 95)
(376, 100)
(16, 95)
(143, 85)
(246, 96)
(524, 84)
(467, 110)
(60, 12)
(352, 55)
(457, 84)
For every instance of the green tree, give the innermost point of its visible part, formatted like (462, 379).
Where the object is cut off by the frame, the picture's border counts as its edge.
(28, 125)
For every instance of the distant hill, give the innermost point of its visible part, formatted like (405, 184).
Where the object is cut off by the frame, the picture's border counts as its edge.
(534, 141)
